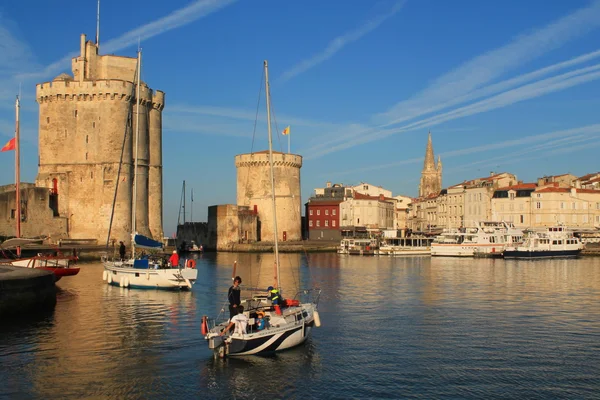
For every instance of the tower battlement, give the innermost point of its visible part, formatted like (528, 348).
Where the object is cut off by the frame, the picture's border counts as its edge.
(261, 159)
(110, 89)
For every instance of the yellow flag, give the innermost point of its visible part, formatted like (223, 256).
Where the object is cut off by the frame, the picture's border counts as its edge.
(286, 131)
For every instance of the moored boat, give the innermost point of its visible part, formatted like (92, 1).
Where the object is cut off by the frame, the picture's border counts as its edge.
(553, 242)
(487, 237)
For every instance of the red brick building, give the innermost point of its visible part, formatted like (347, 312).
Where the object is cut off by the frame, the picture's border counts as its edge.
(323, 219)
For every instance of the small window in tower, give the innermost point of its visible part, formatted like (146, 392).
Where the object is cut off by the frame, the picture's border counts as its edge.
(93, 124)
(86, 154)
(75, 113)
(92, 175)
(87, 138)
(48, 120)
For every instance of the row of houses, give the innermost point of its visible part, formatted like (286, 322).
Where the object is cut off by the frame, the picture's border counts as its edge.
(338, 210)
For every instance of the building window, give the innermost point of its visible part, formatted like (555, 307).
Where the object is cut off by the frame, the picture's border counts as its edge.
(326, 212)
(538, 204)
(512, 196)
(310, 223)
(75, 113)
(326, 222)
(522, 219)
(86, 155)
(584, 205)
(333, 212)
(562, 205)
(318, 212)
(93, 124)
(310, 212)
(318, 223)
(333, 223)
(538, 218)
(538, 195)
(48, 120)
(585, 219)
(574, 218)
(86, 138)
(13, 212)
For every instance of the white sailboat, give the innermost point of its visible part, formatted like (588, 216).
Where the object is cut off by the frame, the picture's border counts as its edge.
(145, 272)
(287, 327)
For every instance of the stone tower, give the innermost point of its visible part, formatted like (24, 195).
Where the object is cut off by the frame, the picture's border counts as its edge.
(87, 126)
(254, 190)
(431, 176)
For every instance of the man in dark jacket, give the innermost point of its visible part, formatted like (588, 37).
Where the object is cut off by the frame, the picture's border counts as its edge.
(234, 296)
(122, 250)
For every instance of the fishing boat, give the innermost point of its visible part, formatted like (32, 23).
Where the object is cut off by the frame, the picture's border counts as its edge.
(289, 324)
(146, 272)
(553, 242)
(59, 264)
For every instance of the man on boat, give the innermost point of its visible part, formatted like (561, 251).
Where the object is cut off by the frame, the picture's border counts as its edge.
(234, 297)
(174, 259)
(275, 298)
(122, 250)
(240, 321)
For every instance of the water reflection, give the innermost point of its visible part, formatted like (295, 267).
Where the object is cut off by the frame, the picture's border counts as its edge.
(392, 328)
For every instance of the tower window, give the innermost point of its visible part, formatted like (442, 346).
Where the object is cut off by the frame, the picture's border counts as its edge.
(86, 156)
(93, 124)
(47, 120)
(86, 138)
(75, 113)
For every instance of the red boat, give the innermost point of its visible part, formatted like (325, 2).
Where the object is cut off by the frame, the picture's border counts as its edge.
(60, 265)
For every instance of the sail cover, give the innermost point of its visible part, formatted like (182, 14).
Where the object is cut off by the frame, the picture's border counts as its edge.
(146, 243)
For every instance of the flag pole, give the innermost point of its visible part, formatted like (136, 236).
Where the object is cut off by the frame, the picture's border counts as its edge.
(17, 173)
(289, 139)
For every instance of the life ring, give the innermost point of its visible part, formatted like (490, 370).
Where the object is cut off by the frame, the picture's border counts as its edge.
(191, 263)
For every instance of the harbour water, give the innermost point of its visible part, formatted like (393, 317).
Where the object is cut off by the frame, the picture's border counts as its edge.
(413, 327)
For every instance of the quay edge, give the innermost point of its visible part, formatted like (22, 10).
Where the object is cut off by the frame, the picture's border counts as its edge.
(25, 290)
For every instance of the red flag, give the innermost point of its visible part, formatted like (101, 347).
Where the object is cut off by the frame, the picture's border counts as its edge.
(10, 145)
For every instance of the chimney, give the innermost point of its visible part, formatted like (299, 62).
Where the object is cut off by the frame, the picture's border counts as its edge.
(381, 197)
(328, 184)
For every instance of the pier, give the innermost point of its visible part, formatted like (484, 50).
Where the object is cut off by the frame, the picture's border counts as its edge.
(25, 290)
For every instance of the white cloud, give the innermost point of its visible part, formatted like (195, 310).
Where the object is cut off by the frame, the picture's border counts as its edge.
(339, 43)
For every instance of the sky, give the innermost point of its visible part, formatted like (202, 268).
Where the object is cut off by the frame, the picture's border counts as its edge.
(503, 86)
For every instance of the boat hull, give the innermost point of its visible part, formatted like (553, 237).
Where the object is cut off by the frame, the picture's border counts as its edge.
(468, 250)
(59, 266)
(137, 278)
(533, 254)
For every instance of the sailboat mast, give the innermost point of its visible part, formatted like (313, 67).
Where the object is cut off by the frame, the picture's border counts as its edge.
(135, 167)
(184, 203)
(18, 171)
(275, 233)
(192, 207)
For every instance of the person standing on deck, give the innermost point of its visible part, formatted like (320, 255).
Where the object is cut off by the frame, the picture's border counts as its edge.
(174, 259)
(234, 296)
(122, 250)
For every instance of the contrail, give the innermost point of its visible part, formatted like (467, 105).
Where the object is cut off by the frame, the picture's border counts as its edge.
(339, 43)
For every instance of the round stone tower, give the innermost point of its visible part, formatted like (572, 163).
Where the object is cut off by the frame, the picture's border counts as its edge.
(87, 132)
(254, 190)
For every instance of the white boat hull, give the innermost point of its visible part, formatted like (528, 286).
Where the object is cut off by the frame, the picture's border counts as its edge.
(270, 340)
(465, 250)
(121, 274)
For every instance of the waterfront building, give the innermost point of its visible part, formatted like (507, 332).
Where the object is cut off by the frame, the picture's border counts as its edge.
(573, 207)
(373, 213)
(371, 190)
(563, 181)
(589, 181)
(478, 196)
(514, 204)
(323, 212)
(401, 213)
(431, 176)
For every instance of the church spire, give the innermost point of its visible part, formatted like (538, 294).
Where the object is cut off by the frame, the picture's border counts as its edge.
(429, 164)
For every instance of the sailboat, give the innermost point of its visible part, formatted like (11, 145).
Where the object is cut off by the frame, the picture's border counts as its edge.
(184, 247)
(59, 264)
(146, 272)
(288, 325)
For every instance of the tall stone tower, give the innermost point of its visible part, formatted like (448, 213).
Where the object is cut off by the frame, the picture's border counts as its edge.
(87, 145)
(254, 190)
(431, 176)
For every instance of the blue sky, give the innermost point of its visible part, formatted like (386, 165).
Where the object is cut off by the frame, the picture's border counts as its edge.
(502, 85)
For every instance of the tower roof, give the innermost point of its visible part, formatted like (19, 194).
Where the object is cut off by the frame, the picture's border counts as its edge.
(429, 163)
